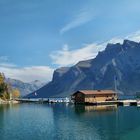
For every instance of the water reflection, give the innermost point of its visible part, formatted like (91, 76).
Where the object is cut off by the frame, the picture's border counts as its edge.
(26, 121)
(68, 122)
(1, 116)
(100, 108)
(69, 127)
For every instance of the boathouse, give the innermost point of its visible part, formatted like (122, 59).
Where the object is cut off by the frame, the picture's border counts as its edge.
(94, 96)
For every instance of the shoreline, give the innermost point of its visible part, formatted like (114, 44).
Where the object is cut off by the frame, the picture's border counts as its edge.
(8, 102)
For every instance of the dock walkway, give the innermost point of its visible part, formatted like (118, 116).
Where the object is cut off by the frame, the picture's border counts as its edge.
(117, 102)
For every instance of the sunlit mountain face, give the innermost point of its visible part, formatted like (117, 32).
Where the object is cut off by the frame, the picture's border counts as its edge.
(117, 60)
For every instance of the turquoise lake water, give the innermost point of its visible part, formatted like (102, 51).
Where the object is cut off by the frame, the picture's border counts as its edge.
(67, 122)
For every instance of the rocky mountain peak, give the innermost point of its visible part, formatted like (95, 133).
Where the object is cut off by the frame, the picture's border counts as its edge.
(25, 88)
(129, 44)
(121, 60)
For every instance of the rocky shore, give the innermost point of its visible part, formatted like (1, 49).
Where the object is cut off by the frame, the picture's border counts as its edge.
(8, 101)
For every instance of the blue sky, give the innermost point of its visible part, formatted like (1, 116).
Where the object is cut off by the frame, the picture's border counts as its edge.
(37, 36)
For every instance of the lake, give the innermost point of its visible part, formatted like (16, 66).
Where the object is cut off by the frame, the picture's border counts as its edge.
(68, 122)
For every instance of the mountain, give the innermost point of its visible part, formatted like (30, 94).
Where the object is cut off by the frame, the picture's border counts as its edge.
(117, 60)
(25, 88)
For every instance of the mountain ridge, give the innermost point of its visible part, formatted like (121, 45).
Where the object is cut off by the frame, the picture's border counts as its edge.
(117, 60)
(24, 88)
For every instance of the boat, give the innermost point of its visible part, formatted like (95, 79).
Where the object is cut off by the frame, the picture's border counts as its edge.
(138, 103)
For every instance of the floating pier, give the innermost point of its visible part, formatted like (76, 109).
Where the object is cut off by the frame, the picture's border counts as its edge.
(44, 100)
(125, 102)
(117, 102)
(128, 102)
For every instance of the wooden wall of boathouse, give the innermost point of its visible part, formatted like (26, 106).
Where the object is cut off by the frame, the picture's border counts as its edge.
(93, 96)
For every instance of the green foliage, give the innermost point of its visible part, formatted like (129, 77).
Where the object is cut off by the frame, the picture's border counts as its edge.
(4, 88)
(5, 96)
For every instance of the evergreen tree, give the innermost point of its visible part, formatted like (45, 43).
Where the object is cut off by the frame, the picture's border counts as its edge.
(4, 90)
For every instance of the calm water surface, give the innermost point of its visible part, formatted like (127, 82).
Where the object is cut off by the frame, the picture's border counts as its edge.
(67, 122)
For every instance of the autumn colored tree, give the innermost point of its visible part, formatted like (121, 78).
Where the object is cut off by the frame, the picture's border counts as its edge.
(6, 89)
(15, 93)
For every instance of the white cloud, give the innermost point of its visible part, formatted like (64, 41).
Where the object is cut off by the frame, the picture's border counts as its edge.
(83, 17)
(28, 74)
(66, 57)
(134, 36)
(63, 57)
(4, 58)
(115, 40)
(4, 64)
(25, 74)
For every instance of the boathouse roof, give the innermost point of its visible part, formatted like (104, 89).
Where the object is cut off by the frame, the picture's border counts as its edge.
(94, 92)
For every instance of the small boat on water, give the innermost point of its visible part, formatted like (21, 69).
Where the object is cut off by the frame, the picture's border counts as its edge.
(138, 103)
(126, 103)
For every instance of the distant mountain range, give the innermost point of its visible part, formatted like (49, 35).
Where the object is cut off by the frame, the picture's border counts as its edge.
(117, 61)
(25, 88)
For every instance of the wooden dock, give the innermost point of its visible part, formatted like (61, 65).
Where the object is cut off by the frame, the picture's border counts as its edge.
(128, 102)
(117, 102)
(43, 100)
(121, 103)
(32, 100)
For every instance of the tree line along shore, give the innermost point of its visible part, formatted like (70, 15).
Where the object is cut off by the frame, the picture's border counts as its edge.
(7, 93)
